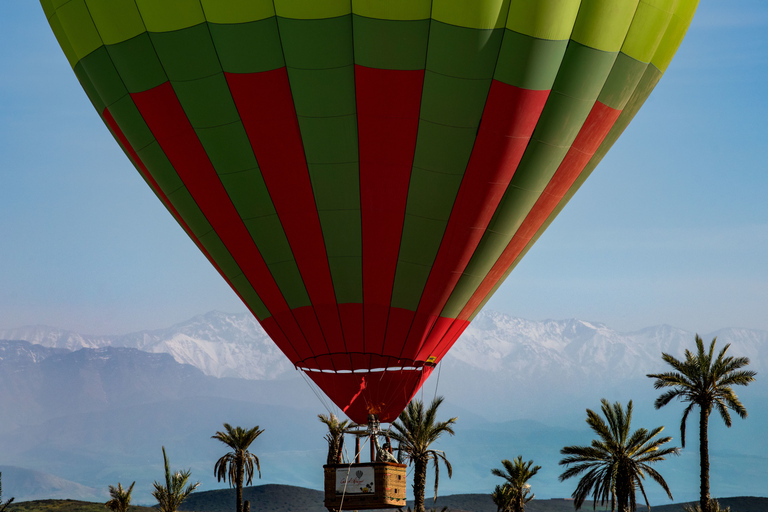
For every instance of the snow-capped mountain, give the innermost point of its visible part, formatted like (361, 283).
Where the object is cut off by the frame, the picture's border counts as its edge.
(235, 345)
(219, 344)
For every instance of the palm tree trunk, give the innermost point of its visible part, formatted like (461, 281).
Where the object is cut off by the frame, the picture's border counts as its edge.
(519, 506)
(239, 475)
(419, 484)
(704, 454)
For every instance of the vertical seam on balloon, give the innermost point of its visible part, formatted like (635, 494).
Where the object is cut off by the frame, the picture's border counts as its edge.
(413, 159)
(458, 193)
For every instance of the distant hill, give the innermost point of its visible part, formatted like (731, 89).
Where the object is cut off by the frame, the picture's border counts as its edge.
(287, 498)
(67, 506)
(26, 484)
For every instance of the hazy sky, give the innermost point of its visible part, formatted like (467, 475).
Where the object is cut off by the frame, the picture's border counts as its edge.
(671, 228)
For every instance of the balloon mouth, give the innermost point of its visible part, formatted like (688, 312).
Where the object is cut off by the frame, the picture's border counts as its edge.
(384, 391)
(413, 368)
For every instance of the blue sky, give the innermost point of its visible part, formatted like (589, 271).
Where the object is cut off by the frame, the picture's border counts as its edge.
(671, 228)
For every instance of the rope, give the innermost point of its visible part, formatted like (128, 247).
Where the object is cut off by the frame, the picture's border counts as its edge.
(320, 396)
(437, 384)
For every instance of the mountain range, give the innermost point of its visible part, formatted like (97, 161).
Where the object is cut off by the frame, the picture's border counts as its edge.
(96, 409)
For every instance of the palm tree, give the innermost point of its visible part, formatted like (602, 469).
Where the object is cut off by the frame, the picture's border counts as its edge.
(238, 464)
(415, 430)
(335, 436)
(502, 497)
(615, 465)
(3, 506)
(517, 473)
(121, 498)
(173, 493)
(704, 381)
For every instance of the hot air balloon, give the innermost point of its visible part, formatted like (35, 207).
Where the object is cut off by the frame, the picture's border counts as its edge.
(365, 174)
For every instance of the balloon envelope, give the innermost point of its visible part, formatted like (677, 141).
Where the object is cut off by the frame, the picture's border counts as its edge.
(365, 174)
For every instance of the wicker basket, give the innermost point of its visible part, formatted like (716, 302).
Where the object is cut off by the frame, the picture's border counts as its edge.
(388, 486)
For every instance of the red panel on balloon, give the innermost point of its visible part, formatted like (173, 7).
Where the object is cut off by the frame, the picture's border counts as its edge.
(388, 104)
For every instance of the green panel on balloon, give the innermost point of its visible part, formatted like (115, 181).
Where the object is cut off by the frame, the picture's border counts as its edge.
(453, 101)
(89, 87)
(187, 54)
(389, 44)
(162, 171)
(529, 63)
(128, 117)
(104, 77)
(220, 254)
(207, 101)
(393, 9)
(270, 239)
(342, 231)
(674, 34)
(463, 52)
(336, 186)
(237, 11)
(583, 72)
(323, 92)
(116, 20)
(432, 194)
(479, 14)
(286, 275)
(267, 232)
(342, 236)
(621, 82)
(510, 214)
(329, 139)
(474, 273)
(248, 47)
(172, 15)
(317, 44)
(562, 118)
(443, 148)
(228, 147)
(249, 194)
(78, 26)
(183, 202)
(603, 24)
(250, 297)
(419, 234)
(543, 19)
(137, 62)
(647, 30)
